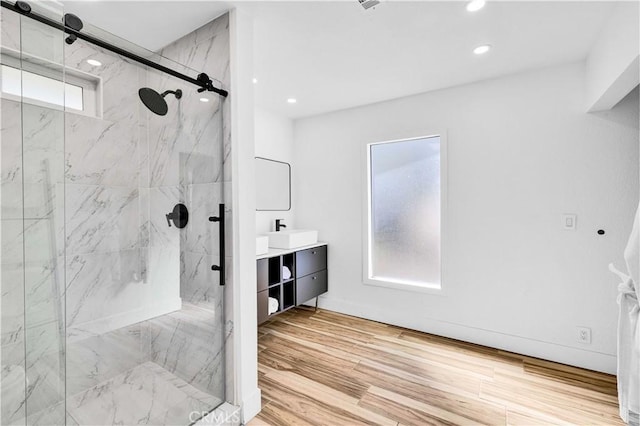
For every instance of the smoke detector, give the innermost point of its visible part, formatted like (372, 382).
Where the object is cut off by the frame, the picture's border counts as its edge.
(368, 3)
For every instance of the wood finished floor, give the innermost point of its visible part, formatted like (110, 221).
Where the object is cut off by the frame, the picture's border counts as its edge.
(324, 368)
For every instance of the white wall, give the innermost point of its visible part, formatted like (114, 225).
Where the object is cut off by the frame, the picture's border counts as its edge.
(274, 140)
(612, 64)
(244, 301)
(522, 151)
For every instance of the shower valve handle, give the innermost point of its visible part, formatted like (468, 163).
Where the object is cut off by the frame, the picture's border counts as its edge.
(179, 216)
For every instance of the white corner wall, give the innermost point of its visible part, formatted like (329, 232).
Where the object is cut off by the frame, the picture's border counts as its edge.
(522, 152)
(242, 198)
(613, 62)
(274, 140)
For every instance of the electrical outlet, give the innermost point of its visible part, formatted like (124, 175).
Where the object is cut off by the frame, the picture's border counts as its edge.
(584, 335)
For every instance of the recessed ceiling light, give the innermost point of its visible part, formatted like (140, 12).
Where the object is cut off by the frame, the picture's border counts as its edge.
(255, 80)
(475, 5)
(204, 99)
(482, 49)
(292, 100)
(94, 62)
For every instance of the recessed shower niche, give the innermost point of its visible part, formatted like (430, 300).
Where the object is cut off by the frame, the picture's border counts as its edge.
(108, 296)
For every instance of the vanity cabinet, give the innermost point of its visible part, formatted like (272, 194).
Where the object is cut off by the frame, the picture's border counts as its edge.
(307, 278)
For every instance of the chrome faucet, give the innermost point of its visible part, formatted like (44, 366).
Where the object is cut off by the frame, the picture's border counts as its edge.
(279, 225)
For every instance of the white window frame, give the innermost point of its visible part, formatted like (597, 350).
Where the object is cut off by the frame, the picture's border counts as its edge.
(367, 278)
(91, 85)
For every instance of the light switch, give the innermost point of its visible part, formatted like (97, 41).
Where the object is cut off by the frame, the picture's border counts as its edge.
(569, 222)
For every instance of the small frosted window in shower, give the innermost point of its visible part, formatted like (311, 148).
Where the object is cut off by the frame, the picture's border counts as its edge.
(404, 212)
(37, 87)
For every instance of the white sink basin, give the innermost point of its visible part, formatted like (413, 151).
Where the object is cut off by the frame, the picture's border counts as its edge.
(262, 245)
(294, 238)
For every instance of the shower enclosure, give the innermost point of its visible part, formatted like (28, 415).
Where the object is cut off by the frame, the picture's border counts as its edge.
(111, 314)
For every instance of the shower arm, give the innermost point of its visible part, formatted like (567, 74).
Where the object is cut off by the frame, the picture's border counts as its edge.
(177, 93)
(203, 81)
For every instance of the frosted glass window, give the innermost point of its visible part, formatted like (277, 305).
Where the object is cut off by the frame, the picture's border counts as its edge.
(40, 88)
(404, 211)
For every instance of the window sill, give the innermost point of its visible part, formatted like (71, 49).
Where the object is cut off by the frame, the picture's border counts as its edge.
(429, 288)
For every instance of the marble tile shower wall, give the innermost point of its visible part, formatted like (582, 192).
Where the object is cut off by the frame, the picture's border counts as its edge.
(101, 188)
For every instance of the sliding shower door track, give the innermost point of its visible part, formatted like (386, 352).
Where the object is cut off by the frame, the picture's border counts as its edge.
(202, 80)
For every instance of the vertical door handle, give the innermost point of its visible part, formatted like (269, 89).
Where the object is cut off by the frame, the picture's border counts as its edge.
(220, 219)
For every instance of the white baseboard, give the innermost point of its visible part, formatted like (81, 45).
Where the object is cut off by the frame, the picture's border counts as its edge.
(251, 406)
(577, 357)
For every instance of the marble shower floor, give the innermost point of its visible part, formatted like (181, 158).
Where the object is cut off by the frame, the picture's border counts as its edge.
(147, 394)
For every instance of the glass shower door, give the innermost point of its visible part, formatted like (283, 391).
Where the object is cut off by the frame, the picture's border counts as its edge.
(33, 341)
(145, 325)
(111, 313)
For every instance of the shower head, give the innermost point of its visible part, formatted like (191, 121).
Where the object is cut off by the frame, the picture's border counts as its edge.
(155, 101)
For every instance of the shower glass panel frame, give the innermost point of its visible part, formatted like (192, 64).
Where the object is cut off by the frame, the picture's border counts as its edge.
(109, 315)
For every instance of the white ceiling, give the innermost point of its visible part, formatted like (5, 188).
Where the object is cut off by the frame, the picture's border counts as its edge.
(331, 56)
(150, 24)
(334, 55)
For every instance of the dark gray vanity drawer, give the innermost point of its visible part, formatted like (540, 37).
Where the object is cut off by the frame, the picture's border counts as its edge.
(311, 286)
(263, 274)
(310, 261)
